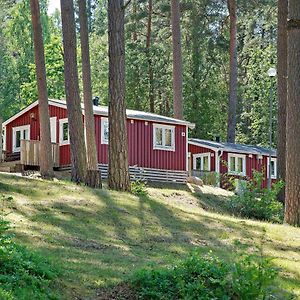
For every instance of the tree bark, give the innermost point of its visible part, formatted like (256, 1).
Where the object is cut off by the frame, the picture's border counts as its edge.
(282, 90)
(233, 72)
(118, 170)
(292, 202)
(46, 162)
(89, 121)
(134, 13)
(148, 51)
(78, 151)
(177, 60)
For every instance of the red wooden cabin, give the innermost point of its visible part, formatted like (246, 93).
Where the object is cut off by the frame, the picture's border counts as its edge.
(156, 143)
(234, 160)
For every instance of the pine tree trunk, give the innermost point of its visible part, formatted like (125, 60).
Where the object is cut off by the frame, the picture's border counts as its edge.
(148, 51)
(118, 170)
(292, 202)
(177, 60)
(92, 159)
(233, 73)
(282, 90)
(134, 13)
(78, 151)
(46, 162)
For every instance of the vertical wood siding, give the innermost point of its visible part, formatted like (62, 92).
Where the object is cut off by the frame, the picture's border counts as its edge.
(140, 147)
(193, 149)
(140, 141)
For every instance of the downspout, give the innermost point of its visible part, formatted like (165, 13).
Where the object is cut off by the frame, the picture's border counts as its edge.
(217, 168)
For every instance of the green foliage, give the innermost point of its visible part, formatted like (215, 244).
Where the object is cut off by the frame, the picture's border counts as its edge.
(258, 203)
(139, 188)
(208, 277)
(24, 274)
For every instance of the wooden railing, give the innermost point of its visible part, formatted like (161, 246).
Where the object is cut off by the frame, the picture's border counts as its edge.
(30, 153)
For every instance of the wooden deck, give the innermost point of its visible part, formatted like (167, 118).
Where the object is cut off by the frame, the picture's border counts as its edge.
(30, 153)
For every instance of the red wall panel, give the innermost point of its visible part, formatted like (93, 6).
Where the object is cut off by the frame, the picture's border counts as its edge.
(193, 149)
(140, 141)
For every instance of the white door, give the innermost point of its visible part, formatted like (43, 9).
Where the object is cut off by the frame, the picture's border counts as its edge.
(20, 133)
(53, 122)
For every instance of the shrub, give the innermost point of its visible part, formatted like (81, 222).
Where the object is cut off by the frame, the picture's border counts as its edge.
(23, 273)
(138, 187)
(258, 203)
(208, 277)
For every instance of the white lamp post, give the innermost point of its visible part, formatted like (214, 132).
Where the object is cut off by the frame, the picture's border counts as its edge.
(271, 73)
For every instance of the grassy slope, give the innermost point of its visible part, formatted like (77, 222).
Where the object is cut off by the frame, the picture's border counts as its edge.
(99, 238)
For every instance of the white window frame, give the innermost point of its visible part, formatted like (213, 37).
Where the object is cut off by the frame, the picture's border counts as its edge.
(163, 147)
(15, 129)
(201, 156)
(274, 159)
(4, 139)
(103, 140)
(236, 156)
(61, 132)
(53, 129)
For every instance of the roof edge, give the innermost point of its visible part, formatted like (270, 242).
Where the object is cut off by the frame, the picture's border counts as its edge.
(57, 103)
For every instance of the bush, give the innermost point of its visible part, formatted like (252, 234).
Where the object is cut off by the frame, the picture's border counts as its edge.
(208, 277)
(139, 188)
(23, 273)
(258, 203)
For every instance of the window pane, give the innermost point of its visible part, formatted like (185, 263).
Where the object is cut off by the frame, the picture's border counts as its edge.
(272, 168)
(158, 136)
(205, 163)
(240, 165)
(18, 138)
(65, 131)
(168, 137)
(105, 131)
(198, 163)
(232, 164)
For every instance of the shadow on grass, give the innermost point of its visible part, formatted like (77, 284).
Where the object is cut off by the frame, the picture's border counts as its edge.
(102, 237)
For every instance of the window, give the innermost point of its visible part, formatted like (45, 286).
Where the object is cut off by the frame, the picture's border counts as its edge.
(64, 136)
(20, 133)
(163, 137)
(53, 129)
(273, 168)
(104, 131)
(202, 162)
(237, 164)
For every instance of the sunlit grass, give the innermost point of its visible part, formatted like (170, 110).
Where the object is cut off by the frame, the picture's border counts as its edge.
(99, 238)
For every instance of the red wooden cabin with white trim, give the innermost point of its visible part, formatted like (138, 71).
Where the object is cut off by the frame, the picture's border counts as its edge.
(157, 144)
(236, 160)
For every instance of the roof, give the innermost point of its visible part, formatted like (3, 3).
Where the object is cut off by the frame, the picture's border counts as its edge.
(231, 147)
(103, 111)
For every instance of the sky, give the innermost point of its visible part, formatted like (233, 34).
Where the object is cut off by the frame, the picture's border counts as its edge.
(53, 4)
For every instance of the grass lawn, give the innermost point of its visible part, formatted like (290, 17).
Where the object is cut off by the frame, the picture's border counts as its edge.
(98, 238)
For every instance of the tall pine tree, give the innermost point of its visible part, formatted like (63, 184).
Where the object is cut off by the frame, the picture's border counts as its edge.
(292, 203)
(78, 151)
(118, 170)
(46, 162)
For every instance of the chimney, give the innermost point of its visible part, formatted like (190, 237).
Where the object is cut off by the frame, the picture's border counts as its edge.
(218, 139)
(96, 101)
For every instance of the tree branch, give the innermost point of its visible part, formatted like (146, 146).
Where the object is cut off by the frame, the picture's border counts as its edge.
(126, 4)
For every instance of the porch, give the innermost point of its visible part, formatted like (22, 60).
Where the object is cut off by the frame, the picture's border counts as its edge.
(28, 156)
